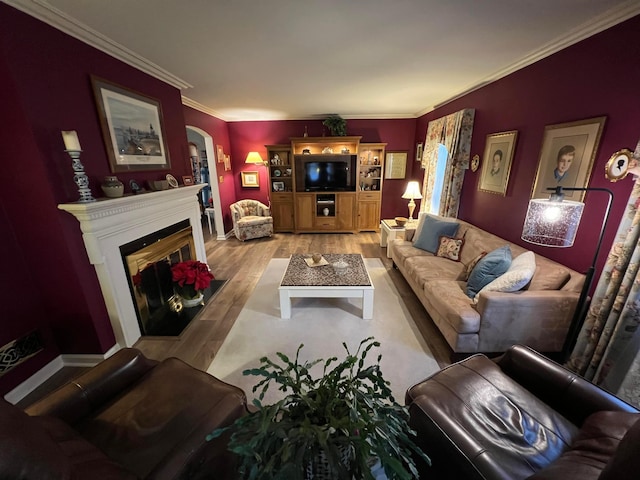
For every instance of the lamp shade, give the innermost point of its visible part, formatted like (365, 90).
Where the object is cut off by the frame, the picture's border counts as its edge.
(552, 223)
(254, 157)
(412, 191)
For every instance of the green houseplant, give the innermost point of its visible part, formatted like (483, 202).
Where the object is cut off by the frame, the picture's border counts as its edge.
(337, 125)
(346, 420)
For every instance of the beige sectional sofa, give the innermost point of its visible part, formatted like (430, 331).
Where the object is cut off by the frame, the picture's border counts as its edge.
(538, 315)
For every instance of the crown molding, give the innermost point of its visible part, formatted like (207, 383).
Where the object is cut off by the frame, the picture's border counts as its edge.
(608, 19)
(202, 108)
(50, 15)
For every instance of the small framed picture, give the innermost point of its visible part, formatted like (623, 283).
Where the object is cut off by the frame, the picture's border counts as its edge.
(250, 179)
(419, 152)
(278, 186)
(219, 153)
(187, 179)
(395, 165)
(496, 162)
(227, 163)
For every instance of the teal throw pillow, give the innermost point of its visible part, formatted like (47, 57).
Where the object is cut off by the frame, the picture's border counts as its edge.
(490, 267)
(432, 230)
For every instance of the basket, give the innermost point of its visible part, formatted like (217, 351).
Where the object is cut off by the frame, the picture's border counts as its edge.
(320, 469)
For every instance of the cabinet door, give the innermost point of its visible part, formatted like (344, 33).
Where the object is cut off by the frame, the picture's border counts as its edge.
(368, 215)
(305, 211)
(282, 216)
(346, 207)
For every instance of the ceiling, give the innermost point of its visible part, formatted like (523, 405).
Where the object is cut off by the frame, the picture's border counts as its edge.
(298, 59)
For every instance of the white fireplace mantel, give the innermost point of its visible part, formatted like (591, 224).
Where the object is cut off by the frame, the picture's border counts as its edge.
(108, 224)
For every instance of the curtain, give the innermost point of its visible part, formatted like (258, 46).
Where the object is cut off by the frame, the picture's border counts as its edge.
(454, 132)
(608, 348)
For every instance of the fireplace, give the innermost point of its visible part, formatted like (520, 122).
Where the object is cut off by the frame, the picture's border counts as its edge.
(109, 224)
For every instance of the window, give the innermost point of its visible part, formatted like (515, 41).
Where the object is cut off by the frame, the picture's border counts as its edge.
(441, 166)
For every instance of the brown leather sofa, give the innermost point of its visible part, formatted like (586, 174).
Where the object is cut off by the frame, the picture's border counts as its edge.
(522, 416)
(127, 418)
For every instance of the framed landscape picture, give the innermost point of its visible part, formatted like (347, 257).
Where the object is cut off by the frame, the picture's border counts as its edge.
(567, 156)
(496, 162)
(132, 128)
(250, 179)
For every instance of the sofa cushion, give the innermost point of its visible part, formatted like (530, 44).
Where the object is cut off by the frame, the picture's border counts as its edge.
(551, 278)
(490, 267)
(517, 276)
(423, 268)
(424, 215)
(432, 230)
(596, 443)
(448, 298)
(450, 247)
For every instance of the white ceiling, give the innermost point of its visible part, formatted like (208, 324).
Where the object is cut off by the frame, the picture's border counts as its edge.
(295, 59)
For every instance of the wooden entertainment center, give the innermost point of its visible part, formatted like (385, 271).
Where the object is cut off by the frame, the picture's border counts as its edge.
(326, 184)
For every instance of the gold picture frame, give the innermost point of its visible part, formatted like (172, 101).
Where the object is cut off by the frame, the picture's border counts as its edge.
(618, 165)
(132, 128)
(567, 156)
(496, 162)
(395, 165)
(250, 179)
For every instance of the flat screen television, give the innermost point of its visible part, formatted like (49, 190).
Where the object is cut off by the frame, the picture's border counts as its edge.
(329, 176)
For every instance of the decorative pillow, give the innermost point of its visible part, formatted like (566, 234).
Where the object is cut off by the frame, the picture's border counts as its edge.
(464, 275)
(432, 230)
(490, 267)
(549, 278)
(450, 247)
(420, 224)
(517, 276)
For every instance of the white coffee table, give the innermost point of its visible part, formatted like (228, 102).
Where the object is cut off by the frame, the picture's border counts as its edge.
(303, 281)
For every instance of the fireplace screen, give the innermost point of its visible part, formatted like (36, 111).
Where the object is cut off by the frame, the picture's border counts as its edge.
(148, 264)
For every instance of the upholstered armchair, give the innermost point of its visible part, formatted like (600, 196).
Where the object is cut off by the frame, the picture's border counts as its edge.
(251, 219)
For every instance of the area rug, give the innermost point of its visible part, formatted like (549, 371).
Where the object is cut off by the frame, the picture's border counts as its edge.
(322, 324)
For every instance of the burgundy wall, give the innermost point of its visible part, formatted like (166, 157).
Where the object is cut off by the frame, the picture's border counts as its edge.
(598, 76)
(45, 88)
(253, 136)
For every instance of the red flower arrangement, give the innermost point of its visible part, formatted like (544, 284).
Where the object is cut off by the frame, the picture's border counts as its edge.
(191, 277)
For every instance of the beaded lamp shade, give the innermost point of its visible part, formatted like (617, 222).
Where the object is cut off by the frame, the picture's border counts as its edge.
(552, 223)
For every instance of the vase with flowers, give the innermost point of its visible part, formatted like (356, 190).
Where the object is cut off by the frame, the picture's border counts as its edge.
(190, 278)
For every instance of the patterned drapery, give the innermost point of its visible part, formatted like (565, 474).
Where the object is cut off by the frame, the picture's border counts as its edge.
(454, 132)
(608, 348)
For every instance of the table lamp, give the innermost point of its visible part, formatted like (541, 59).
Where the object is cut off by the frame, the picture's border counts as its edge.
(412, 191)
(254, 157)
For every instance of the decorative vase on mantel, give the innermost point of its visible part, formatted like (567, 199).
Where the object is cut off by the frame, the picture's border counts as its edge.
(112, 187)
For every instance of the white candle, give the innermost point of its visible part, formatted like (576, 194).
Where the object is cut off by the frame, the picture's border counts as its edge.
(71, 141)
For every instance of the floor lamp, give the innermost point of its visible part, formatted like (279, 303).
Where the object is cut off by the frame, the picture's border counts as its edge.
(256, 159)
(554, 223)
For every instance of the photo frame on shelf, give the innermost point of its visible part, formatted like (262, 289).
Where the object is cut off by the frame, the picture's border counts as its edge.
(188, 180)
(395, 165)
(278, 186)
(219, 153)
(567, 156)
(250, 179)
(132, 128)
(496, 162)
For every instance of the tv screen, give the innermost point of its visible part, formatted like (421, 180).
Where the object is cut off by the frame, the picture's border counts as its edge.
(329, 176)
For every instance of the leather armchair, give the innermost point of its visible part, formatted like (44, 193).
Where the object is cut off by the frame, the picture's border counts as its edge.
(127, 418)
(251, 219)
(522, 416)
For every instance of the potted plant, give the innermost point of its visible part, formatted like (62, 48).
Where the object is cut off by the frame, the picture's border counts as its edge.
(337, 125)
(346, 421)
(190, 278)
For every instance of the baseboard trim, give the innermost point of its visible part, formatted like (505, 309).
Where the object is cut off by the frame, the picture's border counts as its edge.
(51, 368)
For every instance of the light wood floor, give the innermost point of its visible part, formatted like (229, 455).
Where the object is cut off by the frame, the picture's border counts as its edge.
(242, 264)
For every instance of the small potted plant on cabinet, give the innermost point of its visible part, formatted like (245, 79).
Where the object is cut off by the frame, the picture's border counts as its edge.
(337, 125)
(338, 426)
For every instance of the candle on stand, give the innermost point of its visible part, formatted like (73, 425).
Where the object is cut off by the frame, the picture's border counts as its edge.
(71, 141)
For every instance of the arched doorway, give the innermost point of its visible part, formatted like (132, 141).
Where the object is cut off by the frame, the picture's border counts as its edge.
(204, 141)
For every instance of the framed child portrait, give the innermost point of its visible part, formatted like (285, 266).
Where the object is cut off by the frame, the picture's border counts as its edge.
(496, 162)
